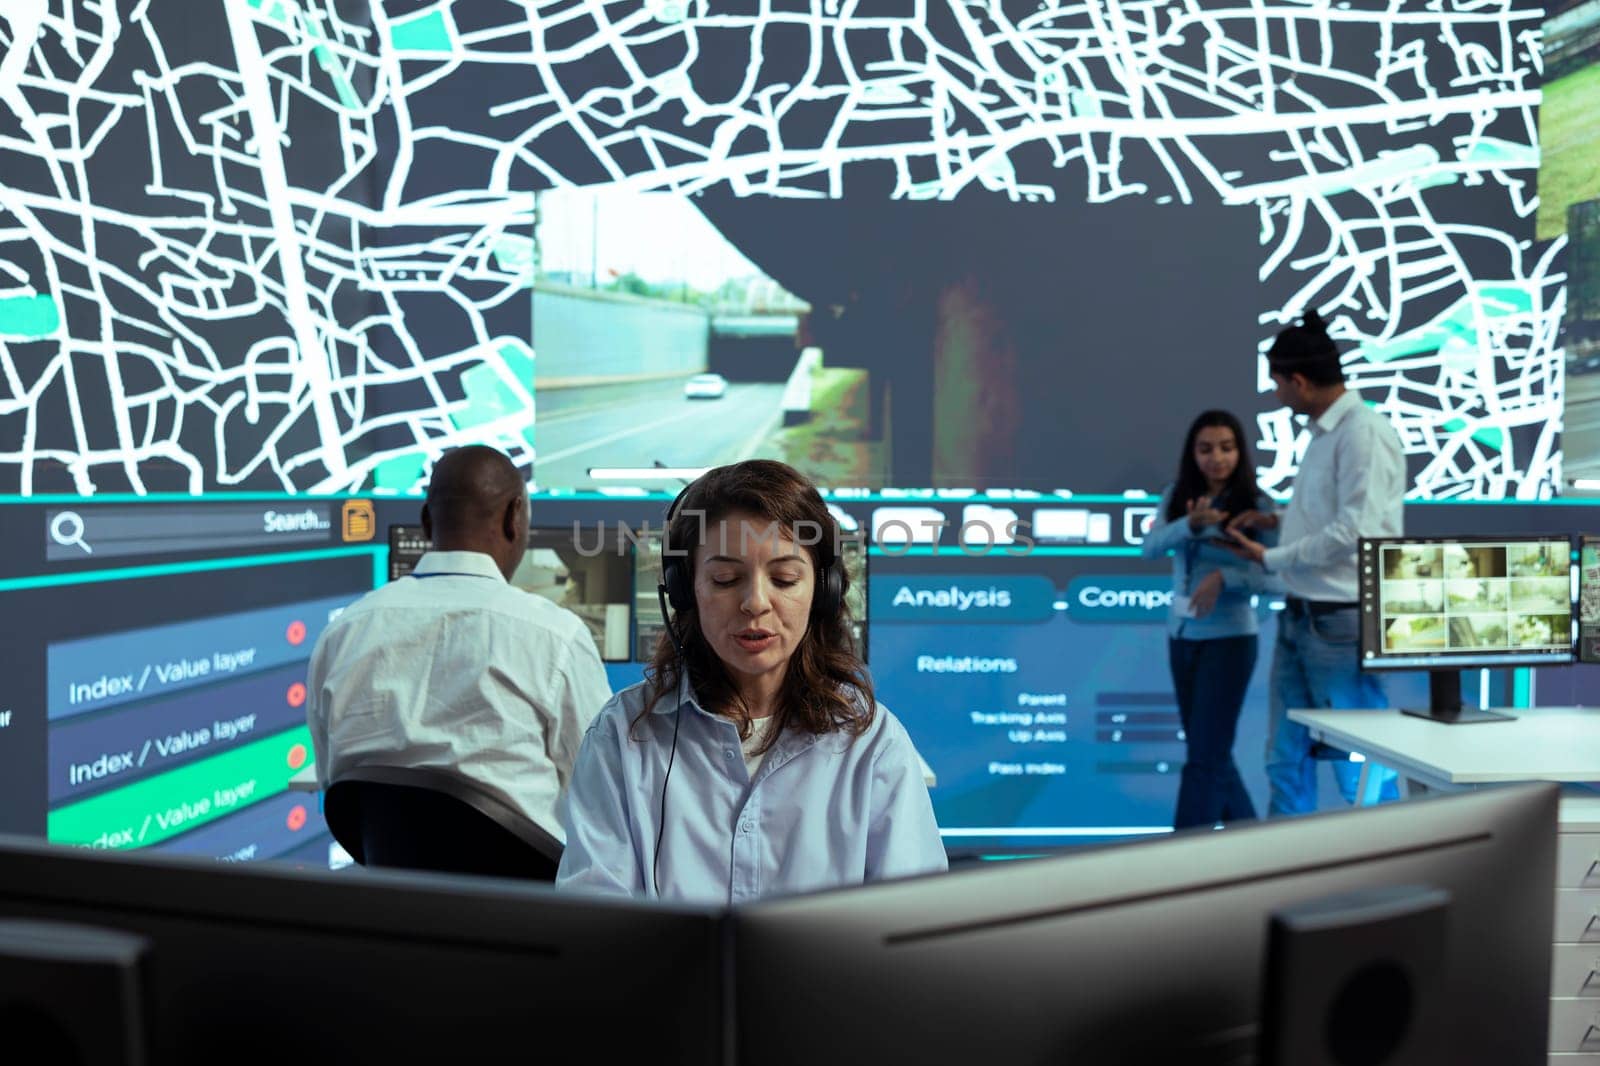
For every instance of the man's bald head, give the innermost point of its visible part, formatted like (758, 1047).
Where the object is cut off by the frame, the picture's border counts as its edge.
(477, 501)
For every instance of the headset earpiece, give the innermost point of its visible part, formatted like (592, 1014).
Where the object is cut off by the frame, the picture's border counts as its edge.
(678, 586)
(675, 580)
(828, 599)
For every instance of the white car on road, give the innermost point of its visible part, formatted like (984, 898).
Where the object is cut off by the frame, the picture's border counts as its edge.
(705, 387)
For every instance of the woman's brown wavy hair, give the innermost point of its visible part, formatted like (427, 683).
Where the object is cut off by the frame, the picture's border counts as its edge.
(825, 688)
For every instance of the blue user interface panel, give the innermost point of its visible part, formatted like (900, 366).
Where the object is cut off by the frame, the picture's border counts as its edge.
(157, 700)
(155, 695)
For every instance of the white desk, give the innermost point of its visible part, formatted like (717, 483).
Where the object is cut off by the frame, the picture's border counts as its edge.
(1541, 744)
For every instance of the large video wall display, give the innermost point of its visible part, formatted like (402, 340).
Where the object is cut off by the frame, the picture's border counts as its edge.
(1569, 209)
(156, 653)
(305, 245)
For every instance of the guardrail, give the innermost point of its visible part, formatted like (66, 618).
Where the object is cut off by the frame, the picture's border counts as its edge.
(797, 392)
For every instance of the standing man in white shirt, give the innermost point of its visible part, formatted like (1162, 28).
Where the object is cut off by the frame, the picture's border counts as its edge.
(1351, 484)
(453, 668)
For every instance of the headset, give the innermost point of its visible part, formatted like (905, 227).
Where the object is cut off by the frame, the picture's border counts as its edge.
(676, 590)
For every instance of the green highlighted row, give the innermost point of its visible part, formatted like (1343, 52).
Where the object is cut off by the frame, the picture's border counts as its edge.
(160, 807)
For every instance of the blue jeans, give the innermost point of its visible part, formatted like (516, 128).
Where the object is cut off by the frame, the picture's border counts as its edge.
(1316, 663)
(1209, 678)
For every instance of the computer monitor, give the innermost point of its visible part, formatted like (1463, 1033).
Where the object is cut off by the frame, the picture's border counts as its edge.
(1151, 952)
(646, 604)
(1442, 604)
(279, 965)
(407, 545)
(853, 552)
(1589, 599)
(589, 571)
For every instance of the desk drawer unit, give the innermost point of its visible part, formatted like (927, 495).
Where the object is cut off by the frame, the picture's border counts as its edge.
(1575, 973)
(1577, 916)
(1578, 860)
(1575, 1026)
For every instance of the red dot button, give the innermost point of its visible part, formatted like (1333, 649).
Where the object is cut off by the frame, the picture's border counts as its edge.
(297, 819)
(296, 633)
(297, 695)
(297, 756)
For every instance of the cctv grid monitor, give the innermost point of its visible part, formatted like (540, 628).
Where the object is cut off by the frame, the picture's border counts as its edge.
(1440, 603)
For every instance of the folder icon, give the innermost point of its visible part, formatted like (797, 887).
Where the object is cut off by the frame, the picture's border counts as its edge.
(360, 523)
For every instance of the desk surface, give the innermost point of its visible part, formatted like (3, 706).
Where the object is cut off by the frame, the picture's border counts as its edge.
(1541, 744)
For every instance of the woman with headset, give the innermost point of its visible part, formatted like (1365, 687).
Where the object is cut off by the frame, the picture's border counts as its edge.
(753, 760)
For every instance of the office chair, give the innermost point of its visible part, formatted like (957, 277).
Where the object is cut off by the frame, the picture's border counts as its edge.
(417, 818)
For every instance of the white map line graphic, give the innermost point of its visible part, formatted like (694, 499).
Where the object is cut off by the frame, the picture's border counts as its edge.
(267, 147)
(339, 302)
(198, 284)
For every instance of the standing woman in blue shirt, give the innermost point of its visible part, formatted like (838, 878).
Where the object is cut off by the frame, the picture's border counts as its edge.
(1211, 627)
(754, 759)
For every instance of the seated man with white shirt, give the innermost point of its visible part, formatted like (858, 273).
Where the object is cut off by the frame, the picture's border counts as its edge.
(453, 668)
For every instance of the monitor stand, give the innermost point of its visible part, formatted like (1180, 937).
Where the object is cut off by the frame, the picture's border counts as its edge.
(1444, 702)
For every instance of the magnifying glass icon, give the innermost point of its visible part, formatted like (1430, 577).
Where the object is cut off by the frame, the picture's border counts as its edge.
(66, 529)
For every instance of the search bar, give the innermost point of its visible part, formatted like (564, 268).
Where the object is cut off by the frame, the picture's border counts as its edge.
(79, 533)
